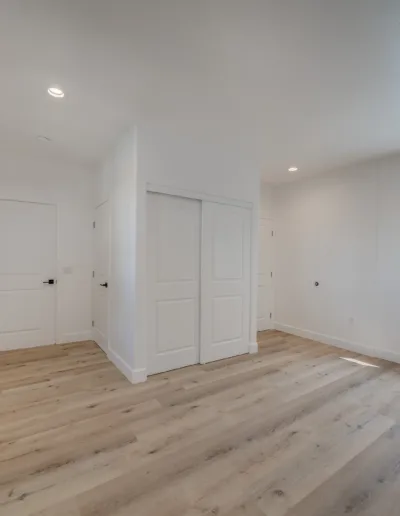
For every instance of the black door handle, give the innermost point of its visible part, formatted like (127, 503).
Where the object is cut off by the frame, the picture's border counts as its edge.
(105, 285)
(50, 282)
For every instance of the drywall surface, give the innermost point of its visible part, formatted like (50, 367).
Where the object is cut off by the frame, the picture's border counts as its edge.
(71, 189)
(208, 157)
(266, 201)
(117, 183)
(179, 157)
(199, 159)
(342, 232)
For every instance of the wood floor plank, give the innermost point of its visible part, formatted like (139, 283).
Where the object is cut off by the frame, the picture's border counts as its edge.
(294, 430)
(357, 486)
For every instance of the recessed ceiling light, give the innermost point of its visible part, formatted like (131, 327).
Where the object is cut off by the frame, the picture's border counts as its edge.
(293, 169)
(43, 138)
(56, 92)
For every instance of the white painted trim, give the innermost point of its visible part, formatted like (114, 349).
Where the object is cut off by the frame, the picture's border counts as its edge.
(58, 316)
(28, 202)
(254, 246)
(253, 347)
(120, 363)
(106, 201)
(80, 336)
(27, 346)
(68, 338)
(179, 192)
(356, 347)
(139, 375)
(97, 338)
(269, 325)
(133, 375)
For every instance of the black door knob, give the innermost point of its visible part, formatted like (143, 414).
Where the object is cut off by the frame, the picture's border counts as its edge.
(105, 285)
(49, 282)
(316, 283)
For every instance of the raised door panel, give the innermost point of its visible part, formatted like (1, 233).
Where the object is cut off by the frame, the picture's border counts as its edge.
(225, 280)
(173, 269)
(28, 235)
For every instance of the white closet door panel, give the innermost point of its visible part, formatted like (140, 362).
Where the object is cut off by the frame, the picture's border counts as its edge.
(173, 269)
(225, 292)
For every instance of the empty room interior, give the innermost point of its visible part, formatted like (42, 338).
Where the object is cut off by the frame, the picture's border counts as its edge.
(199, 257)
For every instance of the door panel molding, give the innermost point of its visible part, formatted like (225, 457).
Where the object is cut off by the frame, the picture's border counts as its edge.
(173, 282)
(225, 298)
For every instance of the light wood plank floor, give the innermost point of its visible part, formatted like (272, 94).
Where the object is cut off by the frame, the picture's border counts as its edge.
(294, 430)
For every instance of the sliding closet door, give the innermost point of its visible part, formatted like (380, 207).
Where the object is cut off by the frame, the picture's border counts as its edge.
(225, 282)
(173, 271)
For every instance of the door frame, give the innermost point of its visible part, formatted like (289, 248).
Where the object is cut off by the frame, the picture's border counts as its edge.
(57, 337)
(109, 270)
(189, 194)
(272, 302)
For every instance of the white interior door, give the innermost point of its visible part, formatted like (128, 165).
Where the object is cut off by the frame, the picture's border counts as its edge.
(225, 283)
(173, 269)
(265, 271)
(28, 259)
(100, 280)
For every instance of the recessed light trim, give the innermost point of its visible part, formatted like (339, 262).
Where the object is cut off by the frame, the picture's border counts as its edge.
(293, 169)
(56, 92)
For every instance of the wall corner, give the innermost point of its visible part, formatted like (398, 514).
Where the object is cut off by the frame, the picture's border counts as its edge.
(253, 348)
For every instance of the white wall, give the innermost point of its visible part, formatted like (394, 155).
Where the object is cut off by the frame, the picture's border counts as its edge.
(178, 157)
(343, 231)
(195, 159)
(266, 201)
(71, 189)
(117, 184)
(209, 158)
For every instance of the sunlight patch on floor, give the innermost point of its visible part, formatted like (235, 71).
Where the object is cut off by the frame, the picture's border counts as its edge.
(359, 362)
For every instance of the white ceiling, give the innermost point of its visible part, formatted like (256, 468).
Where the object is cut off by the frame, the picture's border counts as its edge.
(312, 83)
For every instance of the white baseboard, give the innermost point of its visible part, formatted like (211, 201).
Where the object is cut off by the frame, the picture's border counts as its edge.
(79, 336)
(133, 375)
(253, 347)
(139, 375)
(385, 354)
(27, 345)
